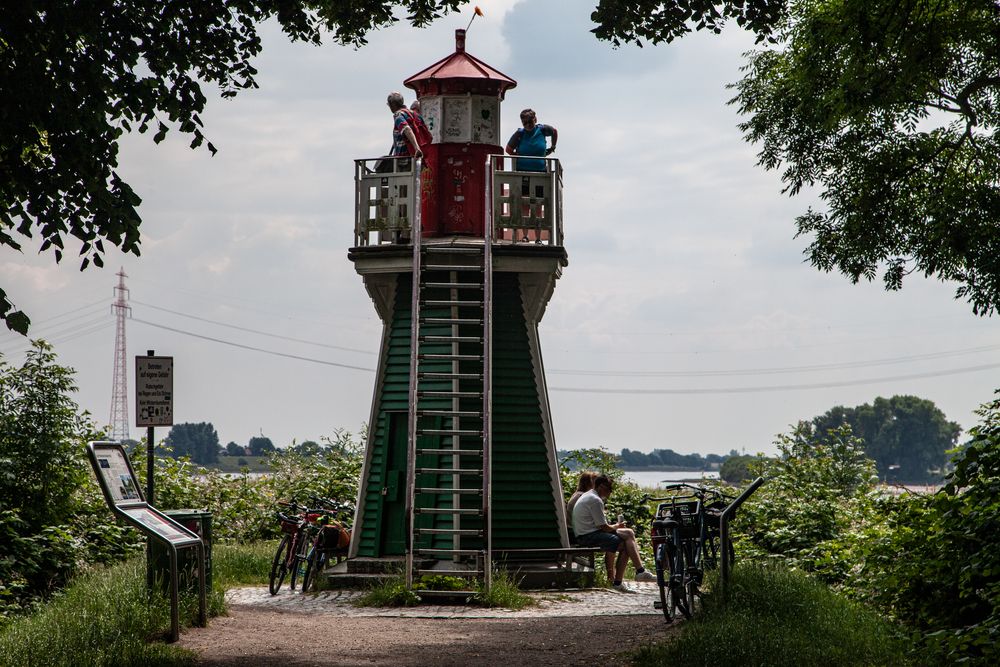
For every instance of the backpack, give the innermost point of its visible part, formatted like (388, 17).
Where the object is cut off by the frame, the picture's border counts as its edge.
(419, 128)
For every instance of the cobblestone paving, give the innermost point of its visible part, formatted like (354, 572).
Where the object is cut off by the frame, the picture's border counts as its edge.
(550, 604)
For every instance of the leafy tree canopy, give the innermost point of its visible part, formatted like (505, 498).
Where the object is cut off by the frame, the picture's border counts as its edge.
(198, 441)
(76, 76)
(260, 445)
(908, 437)
(232, 449)
(890, 108)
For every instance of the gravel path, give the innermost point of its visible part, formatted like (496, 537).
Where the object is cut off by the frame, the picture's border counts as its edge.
(565, 628)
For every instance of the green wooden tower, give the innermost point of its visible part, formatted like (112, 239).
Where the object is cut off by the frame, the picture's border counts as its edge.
(460, 254)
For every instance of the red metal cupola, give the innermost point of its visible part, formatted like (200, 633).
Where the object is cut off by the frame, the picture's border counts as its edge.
(460, 73)
(460, 103)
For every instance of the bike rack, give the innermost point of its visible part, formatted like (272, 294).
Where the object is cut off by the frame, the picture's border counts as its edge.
(724, 538)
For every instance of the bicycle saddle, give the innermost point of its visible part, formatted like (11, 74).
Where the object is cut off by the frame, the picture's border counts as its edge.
(665, 524)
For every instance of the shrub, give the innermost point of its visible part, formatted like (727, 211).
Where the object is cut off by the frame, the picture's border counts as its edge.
(779, 617)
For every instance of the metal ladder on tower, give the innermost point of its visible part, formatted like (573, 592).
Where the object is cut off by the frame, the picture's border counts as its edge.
(448, 472)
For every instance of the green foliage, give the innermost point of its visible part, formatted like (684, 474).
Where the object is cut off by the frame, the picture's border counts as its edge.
(736, 469)
(199, 442)
(657, 21)
(391, 592)
(908, 437)
(892, 110)
(232, 449)
(41, 436)
(812, 490)
(948, 583)
(47, 521)
(779, 617)
(104, 619)
(440, 582)
(504, 593)
(260, 445)
(668, 458)
(241, 564)
(243, 506)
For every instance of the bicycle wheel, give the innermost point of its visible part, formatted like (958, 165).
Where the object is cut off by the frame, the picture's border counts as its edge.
(314, 565)
(678, 589)
(279, 566)
(663, 582)
(692, 576)
(299, 556)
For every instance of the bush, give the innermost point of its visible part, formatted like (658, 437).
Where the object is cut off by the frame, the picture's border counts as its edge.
(47, 524)
(779, 617)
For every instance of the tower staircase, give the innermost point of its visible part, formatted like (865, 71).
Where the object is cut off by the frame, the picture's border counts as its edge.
(449, 413)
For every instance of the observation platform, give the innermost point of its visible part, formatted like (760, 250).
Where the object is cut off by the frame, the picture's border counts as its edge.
(523, 208)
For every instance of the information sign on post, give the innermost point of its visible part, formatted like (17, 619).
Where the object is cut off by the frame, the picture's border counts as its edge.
(121, 489)
(154, 391)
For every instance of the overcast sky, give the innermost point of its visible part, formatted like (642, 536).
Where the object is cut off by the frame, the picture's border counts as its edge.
(686, 319)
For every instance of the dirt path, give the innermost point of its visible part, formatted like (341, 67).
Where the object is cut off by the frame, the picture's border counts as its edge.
(271, 638)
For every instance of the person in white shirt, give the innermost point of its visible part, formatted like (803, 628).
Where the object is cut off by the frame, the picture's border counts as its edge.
(591, 527)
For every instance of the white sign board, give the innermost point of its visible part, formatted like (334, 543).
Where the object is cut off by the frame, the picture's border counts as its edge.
(154, 391)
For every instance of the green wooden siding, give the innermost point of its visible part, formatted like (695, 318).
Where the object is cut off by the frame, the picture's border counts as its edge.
(524, 514)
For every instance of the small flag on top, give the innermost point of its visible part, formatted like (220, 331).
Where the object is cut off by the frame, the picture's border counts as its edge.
(475, 12)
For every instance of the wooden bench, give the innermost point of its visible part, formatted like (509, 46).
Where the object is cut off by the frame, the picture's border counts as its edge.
(564, 555)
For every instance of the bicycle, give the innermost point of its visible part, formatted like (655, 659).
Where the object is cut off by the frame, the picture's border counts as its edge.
(292, 547)
(685, 534)
(330, 540)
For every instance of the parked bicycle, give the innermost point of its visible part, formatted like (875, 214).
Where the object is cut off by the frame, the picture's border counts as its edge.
(329, 540)
(685, 535)
(293, 546)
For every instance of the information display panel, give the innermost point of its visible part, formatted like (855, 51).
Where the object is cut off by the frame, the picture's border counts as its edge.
(122, 491)
(165, 527)
(115, 475)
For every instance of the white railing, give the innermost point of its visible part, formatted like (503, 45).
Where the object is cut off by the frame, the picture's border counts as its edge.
(384, 205)
(527, 205)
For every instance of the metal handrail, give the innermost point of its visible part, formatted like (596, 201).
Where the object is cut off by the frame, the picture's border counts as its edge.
(411, 439)
(724, 537)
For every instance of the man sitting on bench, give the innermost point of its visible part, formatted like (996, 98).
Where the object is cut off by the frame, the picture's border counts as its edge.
(590, 524)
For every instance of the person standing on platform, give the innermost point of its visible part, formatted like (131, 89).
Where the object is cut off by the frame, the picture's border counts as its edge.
(404, 141)
(530, 140)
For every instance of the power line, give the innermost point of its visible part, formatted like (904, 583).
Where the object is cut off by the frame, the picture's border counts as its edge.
(256, 331)
(779, 370)
(787, 387)
(597, 390)
(255, 349)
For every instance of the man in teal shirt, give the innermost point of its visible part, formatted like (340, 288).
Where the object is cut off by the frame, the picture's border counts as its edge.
(530, 140)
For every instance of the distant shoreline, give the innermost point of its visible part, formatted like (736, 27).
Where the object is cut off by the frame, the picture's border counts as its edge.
(665, 469)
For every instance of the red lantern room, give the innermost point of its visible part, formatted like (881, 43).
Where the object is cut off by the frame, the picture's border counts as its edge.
(460, 102)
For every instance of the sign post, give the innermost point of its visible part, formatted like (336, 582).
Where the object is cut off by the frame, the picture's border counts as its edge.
(154, 403)
(122, 491)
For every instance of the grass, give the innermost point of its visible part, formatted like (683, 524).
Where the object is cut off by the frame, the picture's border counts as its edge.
(780, 618)
(242, 564)
(394, 593)
(104, 618)
(504, 592)
(388, 593)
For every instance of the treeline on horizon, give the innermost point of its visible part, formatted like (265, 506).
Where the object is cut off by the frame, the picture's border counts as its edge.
(660, 459)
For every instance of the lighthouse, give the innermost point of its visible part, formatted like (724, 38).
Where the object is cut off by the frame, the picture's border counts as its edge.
(460, 254)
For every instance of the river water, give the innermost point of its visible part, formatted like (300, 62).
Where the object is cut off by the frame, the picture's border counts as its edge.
(656, 478)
